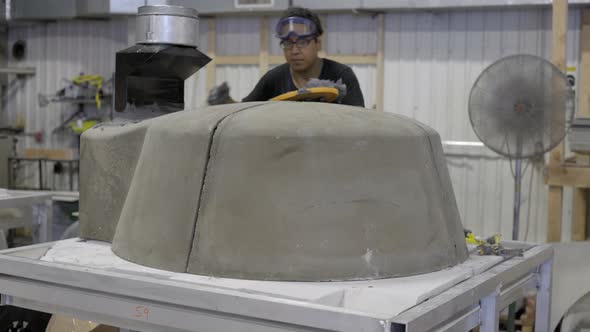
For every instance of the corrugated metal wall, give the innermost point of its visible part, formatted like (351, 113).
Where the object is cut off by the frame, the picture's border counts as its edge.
(431, 61)
(58, 51)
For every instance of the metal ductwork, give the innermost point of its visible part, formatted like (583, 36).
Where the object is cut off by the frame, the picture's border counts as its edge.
(229, 7)
(72, 9)
(107, 8)
(40, 10)
(153, 71)
(31, 10)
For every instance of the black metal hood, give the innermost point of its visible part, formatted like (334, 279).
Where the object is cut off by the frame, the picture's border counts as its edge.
(149, 74)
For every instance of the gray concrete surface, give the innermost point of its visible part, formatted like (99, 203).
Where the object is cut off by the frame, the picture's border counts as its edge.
(578, 316)
(108, 155)
(571, 281)
(157, 222)
(283, 191)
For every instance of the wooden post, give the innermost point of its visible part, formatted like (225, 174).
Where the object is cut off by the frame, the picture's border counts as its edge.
(555, 203)
(580, 213)
(264, 41)
(580, 194)
(380, 68)
(211, 50)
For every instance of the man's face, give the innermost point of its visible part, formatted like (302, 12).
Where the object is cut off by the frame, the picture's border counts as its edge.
(303, 52)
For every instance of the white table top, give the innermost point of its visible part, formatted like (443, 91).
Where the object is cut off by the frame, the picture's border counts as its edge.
(385, 296)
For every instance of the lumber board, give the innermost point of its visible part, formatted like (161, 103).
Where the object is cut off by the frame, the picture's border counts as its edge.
(559, 47)
(580, 214)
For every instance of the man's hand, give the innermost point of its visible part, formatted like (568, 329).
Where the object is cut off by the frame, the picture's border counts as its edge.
(219, 95)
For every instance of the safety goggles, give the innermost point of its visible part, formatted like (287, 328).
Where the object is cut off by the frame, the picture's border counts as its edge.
(287, 44)
(295, 27)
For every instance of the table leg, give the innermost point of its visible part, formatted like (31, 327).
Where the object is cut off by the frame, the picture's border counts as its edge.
(490, 315)
(543, 314)
(3, 243)
(42, 214)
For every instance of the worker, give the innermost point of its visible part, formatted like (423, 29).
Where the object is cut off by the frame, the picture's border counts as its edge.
(299, 31)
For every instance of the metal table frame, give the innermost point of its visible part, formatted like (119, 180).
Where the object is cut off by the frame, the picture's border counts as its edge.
(37, 209)
(143, 302)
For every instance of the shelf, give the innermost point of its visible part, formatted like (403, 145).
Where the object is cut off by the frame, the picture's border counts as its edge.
(80, 100)
(18, 70)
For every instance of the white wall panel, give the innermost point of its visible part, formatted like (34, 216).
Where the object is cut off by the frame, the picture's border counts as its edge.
(61, 51)
(351, 34)
(432, 60)
(274, 47)
(238, 35)
(484, 190)
(58, 51)
(366, 75)
(241, 79)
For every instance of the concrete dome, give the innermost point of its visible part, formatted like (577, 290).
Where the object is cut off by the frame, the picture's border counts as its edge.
(273, 191)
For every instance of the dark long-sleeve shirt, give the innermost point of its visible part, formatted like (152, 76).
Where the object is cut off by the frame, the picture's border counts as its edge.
(278, 81)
